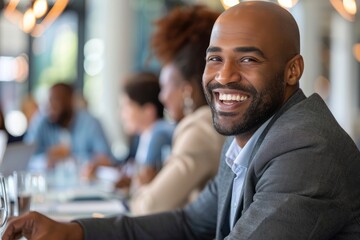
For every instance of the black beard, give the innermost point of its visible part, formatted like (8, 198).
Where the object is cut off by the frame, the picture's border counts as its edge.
(262, 107)
(63, 119)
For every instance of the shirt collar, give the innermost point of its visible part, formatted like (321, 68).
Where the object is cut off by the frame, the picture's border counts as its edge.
(236, 156)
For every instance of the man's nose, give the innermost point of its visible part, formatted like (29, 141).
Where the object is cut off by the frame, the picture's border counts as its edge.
(228, 73)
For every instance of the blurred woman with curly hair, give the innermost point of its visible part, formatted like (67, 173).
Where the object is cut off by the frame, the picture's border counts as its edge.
(179, 42)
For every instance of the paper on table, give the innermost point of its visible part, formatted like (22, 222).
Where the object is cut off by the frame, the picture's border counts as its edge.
(109, 206)
(75, 207)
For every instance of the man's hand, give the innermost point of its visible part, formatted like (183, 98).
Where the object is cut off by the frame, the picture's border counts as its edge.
(36, 226)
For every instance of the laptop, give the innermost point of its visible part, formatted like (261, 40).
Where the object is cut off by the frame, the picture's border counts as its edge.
(16, 157)
(3, 143)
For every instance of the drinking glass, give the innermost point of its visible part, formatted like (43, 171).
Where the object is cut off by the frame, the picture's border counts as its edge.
(4, 204)
(23, 190)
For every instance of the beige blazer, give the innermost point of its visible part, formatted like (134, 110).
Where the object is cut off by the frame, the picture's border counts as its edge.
(194, 160)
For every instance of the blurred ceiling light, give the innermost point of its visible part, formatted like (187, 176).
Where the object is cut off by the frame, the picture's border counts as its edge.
(29, 21)
(36, 16)
(346, 8)
(350, 6)
(284, 3)
(229, 3)
(93, 56)
(40, 8)
(287, 3)
(356, 51)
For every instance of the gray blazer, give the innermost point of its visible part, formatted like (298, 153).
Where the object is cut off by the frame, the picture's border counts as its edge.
(303, 182)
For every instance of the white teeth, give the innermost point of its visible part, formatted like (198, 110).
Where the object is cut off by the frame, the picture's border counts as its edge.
(232, 97)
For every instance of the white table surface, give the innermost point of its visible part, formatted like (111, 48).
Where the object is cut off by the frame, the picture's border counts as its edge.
(82, 201)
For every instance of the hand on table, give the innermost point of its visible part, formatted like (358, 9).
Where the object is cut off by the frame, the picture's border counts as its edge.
(36, 226)
(89, 171)
(57, 153)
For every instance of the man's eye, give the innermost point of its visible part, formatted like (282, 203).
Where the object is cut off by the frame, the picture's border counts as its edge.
(248, 60)
(213, 59)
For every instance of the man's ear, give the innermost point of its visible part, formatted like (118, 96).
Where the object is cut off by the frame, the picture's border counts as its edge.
(294, 70)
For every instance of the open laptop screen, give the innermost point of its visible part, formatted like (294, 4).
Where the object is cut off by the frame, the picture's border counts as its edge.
(3, 142)
(16, 157)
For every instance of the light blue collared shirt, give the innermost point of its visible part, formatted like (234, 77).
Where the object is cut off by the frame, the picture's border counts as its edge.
(85, 136)
(238, 159)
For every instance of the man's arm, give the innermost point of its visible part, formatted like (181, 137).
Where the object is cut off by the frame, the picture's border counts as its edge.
(196, 221)
(36, 226)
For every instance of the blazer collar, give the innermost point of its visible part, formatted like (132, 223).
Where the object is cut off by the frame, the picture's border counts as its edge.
(227, 180)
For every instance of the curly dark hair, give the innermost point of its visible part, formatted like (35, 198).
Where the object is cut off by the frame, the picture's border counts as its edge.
(182, 37)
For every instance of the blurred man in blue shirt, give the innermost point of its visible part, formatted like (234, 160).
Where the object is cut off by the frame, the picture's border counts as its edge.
(66, 132)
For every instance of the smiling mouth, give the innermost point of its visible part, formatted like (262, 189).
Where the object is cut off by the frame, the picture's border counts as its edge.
(227, 98)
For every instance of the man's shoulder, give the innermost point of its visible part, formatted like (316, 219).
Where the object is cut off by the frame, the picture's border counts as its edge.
(308, 112)
(85, 116)
(307, 123)
(43, 121)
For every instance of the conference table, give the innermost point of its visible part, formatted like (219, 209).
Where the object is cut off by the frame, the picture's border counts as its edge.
(82, 199)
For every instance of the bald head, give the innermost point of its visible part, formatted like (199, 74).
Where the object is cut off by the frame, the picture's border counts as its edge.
(266, 20)
(253, 56)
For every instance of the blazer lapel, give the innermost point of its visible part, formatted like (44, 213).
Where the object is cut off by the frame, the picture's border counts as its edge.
(296, 98)
(224, 203)
(226, 177)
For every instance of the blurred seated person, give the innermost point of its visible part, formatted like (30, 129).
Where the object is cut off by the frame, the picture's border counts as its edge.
(65, 132)
(196, 147)
(142, 115)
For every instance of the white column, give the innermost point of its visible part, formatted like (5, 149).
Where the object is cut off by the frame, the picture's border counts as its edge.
(112, 22)
(308, 14)
(343, 74)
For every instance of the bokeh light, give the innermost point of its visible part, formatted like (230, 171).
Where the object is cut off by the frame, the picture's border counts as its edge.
(16, 123)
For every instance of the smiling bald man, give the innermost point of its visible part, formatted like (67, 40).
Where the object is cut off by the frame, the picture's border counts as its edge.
(288, 170)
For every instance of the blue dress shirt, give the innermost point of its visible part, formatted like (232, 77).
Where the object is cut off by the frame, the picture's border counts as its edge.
(238, 158)
(85, 136)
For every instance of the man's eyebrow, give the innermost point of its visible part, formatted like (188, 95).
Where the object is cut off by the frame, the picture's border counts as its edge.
(238, 49)
(250, 49)
(213, 49)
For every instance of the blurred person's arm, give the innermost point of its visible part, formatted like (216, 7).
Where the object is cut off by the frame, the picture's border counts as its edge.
(89, 170)
(146, 175)
(57, 153)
